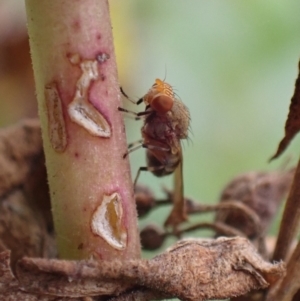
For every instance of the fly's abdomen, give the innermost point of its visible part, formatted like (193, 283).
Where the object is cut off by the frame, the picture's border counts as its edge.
(163, 166)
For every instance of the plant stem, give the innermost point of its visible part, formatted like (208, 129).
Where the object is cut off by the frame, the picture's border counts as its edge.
(290, 284)
(83, 132)
(290, 220)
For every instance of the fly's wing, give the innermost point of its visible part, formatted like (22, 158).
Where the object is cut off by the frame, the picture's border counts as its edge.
(180, 117)
(178, 213)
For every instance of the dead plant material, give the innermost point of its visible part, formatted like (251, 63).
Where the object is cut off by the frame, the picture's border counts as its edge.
(292, 125)
(290, 284)
(144, 199)
(249, 202)
(10, 287)
(146, 202)
(139, 294)
(252, 296)
(217, 227)
(261, 192)
(191, 270)
(290, 221)
(153, 236)
(20, 148)
(247, 206)
(25, 215)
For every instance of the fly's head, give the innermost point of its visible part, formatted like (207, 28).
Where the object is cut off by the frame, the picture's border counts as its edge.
(160, 97)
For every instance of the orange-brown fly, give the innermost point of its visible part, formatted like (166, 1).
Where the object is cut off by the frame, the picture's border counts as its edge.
(166, 122)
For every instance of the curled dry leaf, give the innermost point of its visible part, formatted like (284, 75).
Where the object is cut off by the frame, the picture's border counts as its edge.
(292, 125)
(10, 288)
(190, 270)
(139, 294)
(262, 192)
(20, 148)
(25, 215)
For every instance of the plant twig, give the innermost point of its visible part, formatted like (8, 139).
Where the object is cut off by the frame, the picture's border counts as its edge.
(219, 227)
(290, 220)
(192, 269)
(290, 284)
(231, 205)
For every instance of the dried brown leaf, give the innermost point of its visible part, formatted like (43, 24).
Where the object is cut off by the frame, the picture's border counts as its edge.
(22, 231)
(252, 296)
(69, 278)
(292, 125)
(10, 288)
(139, 294)
(8, 281)
(20, 147)
(25, 215)
(190, 270)
(261, 192)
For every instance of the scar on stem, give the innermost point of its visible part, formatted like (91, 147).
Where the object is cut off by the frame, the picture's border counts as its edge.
(107, 221)
(56, 123)
(80, 110)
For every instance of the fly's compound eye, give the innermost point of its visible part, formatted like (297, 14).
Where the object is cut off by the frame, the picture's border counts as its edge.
(162, 103)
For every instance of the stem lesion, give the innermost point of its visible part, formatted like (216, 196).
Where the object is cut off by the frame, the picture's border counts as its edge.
(80, 110)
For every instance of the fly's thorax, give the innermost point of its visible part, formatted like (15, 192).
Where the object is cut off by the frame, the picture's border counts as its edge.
(157, 127)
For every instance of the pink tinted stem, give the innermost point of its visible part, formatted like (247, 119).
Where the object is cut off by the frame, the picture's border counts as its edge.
(83, 131)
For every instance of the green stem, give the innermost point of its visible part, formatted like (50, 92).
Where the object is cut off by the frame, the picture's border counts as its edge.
(83, 132)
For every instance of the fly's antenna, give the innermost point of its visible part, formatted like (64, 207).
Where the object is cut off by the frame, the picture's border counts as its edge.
(165, 72)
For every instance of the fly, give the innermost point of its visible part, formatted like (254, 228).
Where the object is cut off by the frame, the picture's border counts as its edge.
(166, 123)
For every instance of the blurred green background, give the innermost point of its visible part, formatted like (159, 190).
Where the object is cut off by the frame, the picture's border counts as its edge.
(233, 63)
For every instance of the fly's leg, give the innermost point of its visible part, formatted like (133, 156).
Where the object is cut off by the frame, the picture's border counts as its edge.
(137, 115)
(138, 144)
(131, 100)
(133, 146)
(155, 168)
(147, 168)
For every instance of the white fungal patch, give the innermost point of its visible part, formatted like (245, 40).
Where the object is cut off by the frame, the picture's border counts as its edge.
(80, 110)
(56, 122)
(107, 222)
